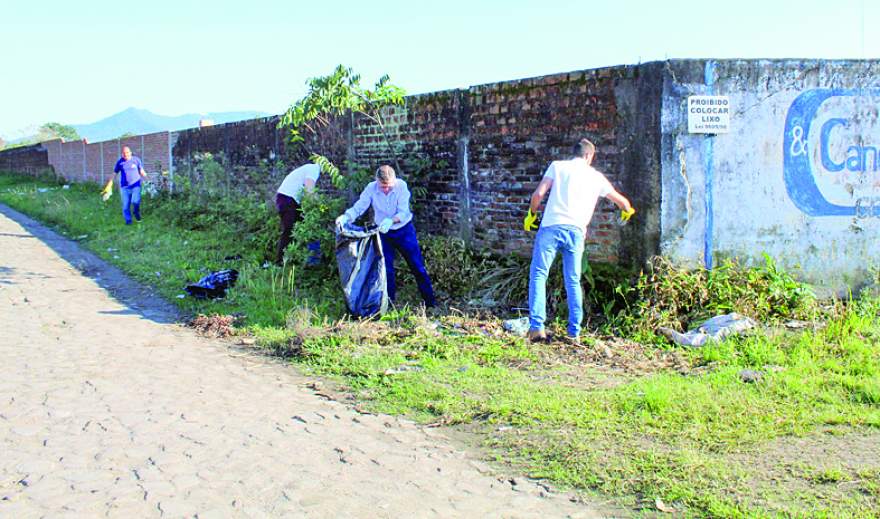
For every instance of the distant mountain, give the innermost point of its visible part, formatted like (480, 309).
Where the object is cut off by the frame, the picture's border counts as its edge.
(138, 121)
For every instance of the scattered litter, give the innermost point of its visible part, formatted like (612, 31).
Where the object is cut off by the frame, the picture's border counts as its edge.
(247, 341)
(403, 369)
(750, 376)
(519, 326)
(42, 189)
(483, 302)
(234, 257)
(795, 324)
(213, 285)
(314, 253)
(82, 237)
(715, 329)
(266, 264)
(663, 507)
(112, 250)
(181, 296)
(65, 186)
(115, 256)
(158, 274)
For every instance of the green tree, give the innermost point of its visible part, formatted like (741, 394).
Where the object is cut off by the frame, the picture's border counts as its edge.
(51, 131)
(2, 143)
(335, 95)
(126, 135)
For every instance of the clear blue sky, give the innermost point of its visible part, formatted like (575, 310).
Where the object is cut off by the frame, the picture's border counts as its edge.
(77, 62)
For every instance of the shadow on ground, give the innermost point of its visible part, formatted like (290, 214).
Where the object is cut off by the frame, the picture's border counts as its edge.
(139, 299)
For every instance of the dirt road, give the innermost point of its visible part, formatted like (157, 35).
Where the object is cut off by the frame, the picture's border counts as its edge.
(107, 408)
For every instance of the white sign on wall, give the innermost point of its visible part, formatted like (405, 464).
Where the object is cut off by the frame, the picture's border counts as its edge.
(708, 114)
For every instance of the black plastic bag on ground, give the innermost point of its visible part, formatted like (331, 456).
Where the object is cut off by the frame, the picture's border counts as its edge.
(213, 285)
(362, 270)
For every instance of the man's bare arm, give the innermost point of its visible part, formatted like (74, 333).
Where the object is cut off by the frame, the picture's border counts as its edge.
(539, 194)
(619, 200)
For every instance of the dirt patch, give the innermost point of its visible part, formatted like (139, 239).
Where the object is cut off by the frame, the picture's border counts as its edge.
(839, 465)
(606, 353)
(213, 325)
(620, 355)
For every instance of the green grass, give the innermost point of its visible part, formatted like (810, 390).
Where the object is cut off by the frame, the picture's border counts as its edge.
(704, 442)
(169, 256)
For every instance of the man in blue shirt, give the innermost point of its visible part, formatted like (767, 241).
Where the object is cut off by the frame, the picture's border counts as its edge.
(131, 171)
(389, 197)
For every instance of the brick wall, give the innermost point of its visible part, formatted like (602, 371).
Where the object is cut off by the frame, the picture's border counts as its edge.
(71, 163)
(518, 128)
(79, 161)
(256, 151)
(93, 164)
(480, 152)
(110, 153)
(30, 160)
(472, 156)
(425, 135)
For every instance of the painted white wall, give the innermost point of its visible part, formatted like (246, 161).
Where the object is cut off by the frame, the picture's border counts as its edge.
(828, 243)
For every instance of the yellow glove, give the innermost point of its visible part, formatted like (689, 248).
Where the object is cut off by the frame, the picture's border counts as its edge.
(626, 215)
(107, 192)
(529, 221)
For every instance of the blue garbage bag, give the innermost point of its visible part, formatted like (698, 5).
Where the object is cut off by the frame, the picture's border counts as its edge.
(362, 270)
(213, 285)
(314, 253)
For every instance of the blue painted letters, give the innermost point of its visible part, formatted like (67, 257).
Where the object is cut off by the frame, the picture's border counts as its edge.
(800, 180)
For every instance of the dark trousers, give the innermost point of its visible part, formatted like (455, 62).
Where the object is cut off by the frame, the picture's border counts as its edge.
(289, 212)
(404, 240)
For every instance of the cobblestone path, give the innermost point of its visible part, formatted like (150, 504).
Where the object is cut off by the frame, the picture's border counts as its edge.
(107, 408)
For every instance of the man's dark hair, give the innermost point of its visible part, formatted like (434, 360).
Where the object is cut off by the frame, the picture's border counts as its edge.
(583, 147)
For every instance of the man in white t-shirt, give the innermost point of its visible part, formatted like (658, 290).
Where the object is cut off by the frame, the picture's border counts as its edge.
(574, 187)
(288, 199)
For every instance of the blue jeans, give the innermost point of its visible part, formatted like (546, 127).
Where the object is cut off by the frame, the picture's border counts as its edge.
(131, 196)
(405, 241)
(570, 241)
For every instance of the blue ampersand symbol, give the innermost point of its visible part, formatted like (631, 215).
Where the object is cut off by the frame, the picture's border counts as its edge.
(798, 145)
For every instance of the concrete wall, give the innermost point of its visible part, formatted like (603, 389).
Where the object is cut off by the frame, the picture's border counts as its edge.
(797, 177)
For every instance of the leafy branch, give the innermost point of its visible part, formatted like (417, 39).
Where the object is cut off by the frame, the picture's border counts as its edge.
(336, 95)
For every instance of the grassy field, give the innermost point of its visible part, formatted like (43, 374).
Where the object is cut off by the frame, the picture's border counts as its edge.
(654, 428)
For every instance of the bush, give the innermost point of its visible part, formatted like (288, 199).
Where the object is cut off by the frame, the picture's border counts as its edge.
(461, 273)
(203, 200)
(676, 297)
(319, 211)
(456, 270)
